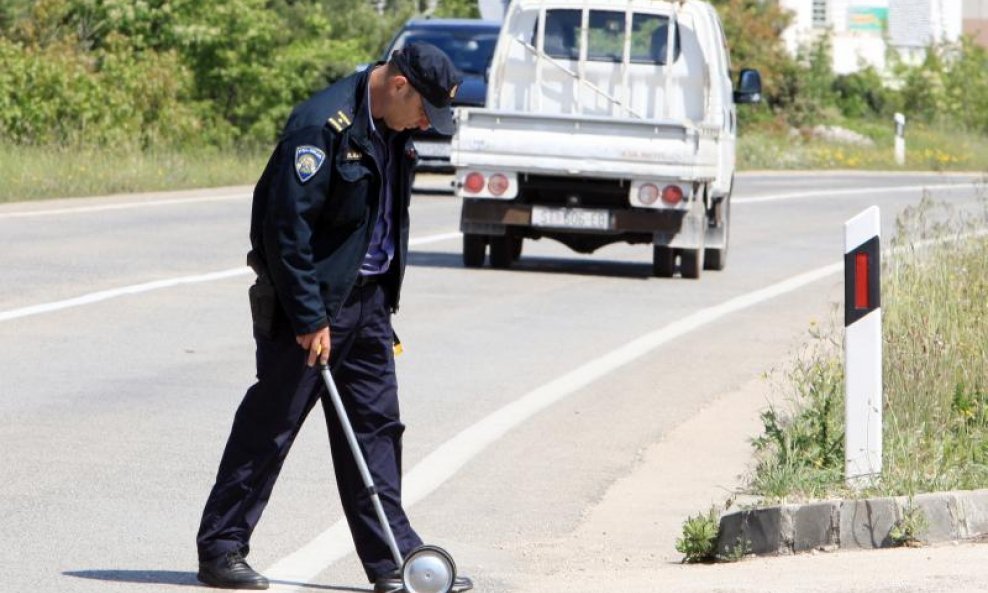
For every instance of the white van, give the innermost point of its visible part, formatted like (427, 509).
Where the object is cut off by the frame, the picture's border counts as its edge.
(604, 122)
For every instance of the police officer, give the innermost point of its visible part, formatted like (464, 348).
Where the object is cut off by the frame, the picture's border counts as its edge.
(329, 237)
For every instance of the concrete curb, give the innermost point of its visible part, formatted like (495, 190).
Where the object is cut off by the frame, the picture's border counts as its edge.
(852, 524)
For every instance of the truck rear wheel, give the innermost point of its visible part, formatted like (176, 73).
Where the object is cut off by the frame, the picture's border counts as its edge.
(663, 261)
(502, 252)
(691, 261)
(474, 250)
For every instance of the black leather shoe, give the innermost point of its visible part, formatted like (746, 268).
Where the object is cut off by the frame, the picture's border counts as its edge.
(462, 584)
(391, 583)
(230, 571)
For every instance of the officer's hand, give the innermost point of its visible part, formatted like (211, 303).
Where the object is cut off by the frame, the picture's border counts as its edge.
(317, 343)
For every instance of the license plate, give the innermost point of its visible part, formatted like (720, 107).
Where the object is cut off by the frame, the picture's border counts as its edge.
(571, 218)
(433, 150)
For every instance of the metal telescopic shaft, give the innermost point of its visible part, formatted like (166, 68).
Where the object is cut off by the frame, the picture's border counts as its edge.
(361, 464)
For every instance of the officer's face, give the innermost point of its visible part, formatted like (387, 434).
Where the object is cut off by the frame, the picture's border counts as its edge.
(407, 111)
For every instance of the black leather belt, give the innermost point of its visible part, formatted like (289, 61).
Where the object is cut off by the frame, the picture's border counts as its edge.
(367, 280)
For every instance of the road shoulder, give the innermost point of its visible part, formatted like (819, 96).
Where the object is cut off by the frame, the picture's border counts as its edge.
(626, 542)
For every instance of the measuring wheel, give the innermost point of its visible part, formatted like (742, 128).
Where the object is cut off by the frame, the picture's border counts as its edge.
(428, 569)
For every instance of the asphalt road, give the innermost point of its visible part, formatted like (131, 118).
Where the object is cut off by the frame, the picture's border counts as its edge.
(125, 348)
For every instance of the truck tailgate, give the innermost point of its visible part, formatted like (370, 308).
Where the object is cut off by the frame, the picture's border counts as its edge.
(584, 145)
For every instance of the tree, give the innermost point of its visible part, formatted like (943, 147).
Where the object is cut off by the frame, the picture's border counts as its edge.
(754, 35)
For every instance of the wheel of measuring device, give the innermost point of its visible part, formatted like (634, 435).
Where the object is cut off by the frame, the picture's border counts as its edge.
(428, 569)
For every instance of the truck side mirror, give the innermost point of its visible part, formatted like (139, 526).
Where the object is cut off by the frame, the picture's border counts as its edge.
(749, 87)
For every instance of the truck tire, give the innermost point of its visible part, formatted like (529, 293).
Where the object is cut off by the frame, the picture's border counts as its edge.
(691, 262)
(502, 252)
(517, 245)
(716, 259)
(474, 250)
(663, 261)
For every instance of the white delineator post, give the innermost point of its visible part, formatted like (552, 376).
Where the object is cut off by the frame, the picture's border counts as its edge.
(862, 348)
(900, 139)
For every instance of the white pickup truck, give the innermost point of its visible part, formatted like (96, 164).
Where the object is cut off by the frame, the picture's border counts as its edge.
(605, 122)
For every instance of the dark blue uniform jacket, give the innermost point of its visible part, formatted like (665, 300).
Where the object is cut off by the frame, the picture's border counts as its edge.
(313, 234)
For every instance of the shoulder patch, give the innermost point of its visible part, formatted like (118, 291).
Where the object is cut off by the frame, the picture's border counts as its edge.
(340, 121)
(308, 160)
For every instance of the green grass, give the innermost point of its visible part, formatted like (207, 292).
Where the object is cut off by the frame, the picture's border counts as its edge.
(935, 364)
(31, 173)
(927, 149)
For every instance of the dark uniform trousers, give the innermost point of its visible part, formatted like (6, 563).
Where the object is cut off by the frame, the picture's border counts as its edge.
(272, 412)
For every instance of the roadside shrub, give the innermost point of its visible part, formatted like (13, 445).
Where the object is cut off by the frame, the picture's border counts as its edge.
(935, 424)
(56, 95)
(467, 9)
(801, 451)
(861, 94)
(699, 540)
(966, 86)
(950, 86)
(809, 96)
(214, 71)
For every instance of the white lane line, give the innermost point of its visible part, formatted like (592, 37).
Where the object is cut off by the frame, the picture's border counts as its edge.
(299, 568)
(95, 297)
(124, 206)
(826, 193)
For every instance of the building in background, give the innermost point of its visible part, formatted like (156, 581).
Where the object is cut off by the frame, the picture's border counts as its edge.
(861, 30)
(914, 25)
(975, 20)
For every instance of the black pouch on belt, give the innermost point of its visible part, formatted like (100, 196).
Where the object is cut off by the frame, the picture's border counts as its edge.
(263, 306)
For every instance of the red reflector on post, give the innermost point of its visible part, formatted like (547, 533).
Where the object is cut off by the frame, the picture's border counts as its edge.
(861, 281)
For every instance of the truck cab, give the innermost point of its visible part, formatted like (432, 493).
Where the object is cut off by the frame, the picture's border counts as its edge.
(603, 123)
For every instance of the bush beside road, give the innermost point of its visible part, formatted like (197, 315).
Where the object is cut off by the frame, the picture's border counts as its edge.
(934, 290)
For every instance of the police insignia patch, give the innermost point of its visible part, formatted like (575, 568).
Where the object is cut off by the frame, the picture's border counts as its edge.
(308, 160)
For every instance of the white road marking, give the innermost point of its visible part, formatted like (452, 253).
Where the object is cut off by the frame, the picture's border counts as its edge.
(827, 193)
(293, 571)
(123, 206)
(95, 297)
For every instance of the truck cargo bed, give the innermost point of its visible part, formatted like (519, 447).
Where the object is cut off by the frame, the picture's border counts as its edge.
(584, 145)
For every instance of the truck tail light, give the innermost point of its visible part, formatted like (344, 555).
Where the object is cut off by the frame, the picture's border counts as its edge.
(647, 194)
(672, 195)
(497, 185)
(474, 183)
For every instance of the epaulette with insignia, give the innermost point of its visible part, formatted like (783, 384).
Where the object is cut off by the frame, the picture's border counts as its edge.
(340, 121)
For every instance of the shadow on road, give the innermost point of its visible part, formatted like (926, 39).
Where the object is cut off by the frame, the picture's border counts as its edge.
(184, 579)
(159, 577)
(542, 265)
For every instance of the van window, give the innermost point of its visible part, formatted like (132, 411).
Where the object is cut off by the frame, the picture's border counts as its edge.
(605, 38)
(650, 38)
